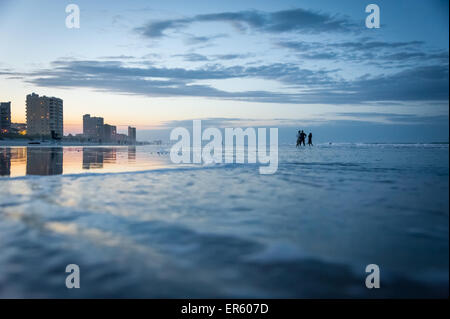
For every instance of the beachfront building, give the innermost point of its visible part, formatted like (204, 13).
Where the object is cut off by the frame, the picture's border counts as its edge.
(121, 139)
(5, 117)
(109, 133)
(93, 127)
(131, 135)
(95, 130)
(44, 116)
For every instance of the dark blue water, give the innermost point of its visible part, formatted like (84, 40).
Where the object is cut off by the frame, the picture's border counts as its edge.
(226, 231)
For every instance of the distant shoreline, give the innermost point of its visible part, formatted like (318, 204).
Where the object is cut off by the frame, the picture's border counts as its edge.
(26, 142)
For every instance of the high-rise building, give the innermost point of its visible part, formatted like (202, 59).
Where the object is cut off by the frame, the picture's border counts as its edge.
(109, 133)
(131, 135)
(44, 116)
(93, 127)
(5, 117)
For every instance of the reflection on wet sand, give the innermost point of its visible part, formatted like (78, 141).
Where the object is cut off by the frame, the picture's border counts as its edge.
(41, 160)
(12, 160)
(92, 159)
(95, 157)
(45, 161)
(5, 162)
(131, 153)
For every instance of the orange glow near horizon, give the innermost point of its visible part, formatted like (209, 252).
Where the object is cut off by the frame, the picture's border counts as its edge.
(119, 110)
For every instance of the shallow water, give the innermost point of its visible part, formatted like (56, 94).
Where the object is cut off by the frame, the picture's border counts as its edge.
(139, 226)
(54, 160)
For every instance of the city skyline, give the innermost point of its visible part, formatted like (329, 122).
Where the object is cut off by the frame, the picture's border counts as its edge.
(44, 117)
(284, 64)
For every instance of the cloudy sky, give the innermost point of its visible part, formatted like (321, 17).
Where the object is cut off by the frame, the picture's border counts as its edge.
(286, 64)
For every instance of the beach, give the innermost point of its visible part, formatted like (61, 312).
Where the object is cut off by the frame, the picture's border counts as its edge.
(139, 226)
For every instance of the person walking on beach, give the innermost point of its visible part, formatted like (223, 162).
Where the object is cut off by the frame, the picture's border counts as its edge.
(310, 139)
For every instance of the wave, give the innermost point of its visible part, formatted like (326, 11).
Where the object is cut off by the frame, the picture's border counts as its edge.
(174, 168)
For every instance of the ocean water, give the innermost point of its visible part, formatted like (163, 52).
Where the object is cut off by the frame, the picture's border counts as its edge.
(139, 226)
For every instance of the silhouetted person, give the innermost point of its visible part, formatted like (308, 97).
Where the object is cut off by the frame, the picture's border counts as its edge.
(310, 139)
(301, 138)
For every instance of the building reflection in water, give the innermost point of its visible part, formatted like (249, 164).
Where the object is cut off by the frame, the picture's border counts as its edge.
(56, 160)
(5, 162)
(109, 155)
(44, 160)
(92, 158)
(95, 157)
(131, 154)
(12, 158)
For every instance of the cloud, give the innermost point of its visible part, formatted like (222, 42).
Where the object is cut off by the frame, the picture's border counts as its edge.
(362, 45)
(372, 45)
(355, 117)
(394, 118)
(90, 69)
(416, 84)
(383, 54)
(231, 56)
(193, 40)
(118, 57)
(12, 74)
(321, 56)
(294, 20)
(192, 57)
(149, 81)
(421, 83)
(195, 57)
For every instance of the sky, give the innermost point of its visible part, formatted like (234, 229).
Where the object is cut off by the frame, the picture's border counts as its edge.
(311, 65)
